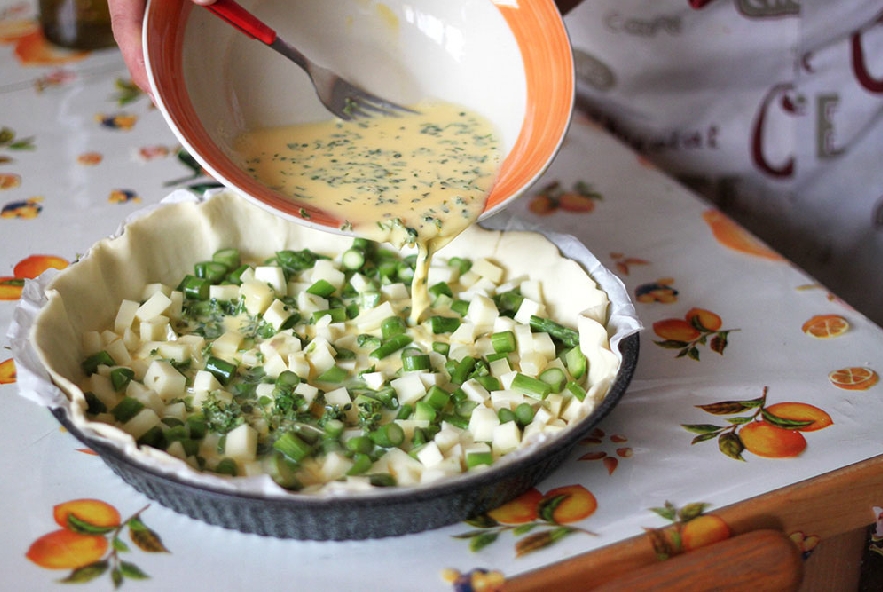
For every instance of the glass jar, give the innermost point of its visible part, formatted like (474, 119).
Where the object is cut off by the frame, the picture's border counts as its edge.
(78, 24)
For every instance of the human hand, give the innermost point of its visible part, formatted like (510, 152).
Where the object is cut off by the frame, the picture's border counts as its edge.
(127, 17)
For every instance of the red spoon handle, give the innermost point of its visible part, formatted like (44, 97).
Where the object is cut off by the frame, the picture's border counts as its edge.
(243, 20)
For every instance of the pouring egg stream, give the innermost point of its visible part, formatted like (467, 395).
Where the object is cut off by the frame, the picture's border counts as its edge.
(416, 179)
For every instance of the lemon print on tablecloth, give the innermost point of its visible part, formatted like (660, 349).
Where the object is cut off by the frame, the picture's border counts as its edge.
(855, 378)
(825, 326)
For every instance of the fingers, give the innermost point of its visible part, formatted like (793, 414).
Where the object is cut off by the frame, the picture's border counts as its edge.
(126, 17)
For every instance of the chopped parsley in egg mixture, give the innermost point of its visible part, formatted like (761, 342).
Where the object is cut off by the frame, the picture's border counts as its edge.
(428, 171)
(307, 367)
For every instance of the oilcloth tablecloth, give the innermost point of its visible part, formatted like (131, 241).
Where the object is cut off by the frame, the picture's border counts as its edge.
(751, 376)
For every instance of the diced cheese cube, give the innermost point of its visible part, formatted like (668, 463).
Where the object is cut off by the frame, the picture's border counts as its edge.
(532, 364)
(119, 352)
(482, 424)
(339, 396)
(165, 380)
(487, 269)
(482, 312)
(327, 330)
(431, 379)
(506, 399)
(227, 344)
(273, 277)
(241, 443)
(307, 391)
(405, 469)
(175, 351)
(298, 363)
(335, 466)
(409, 388)
(131, 339)
(507, 378)
(430, 455)
(275, 365)
(447, 437)
(409, 425)
(469, 278)
(310, 303)
(141, 423)
(195, 344)
(156, 329)
(223, 292)
(265, 389)
(554, 404)
(102, 387)
(147, 396)
(373, 380)
(360, 283)
(205, 381)
(256, 296)
(448, 467)
(395, 291)
(465, 333)
(474, 391)
(177, 410)
(326, 269)
(504, 323)
(370, 320)
(543, 345)
(523, 339)
(153, 307)
(458, 351)
(506, 438)
(176, 305)
(594, 343)
(125, 315)
(484, 346)
(483, 287)
(277, 313)
(527, 309)
(499, 367)
(320, 355)
(442, 273)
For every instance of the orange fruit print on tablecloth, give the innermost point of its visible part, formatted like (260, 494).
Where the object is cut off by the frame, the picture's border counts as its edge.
(698, 327)
(9, 180)
(733, 236)
(28, 268)
(7, 371)
(541, 520)
(690, 529)
(32, 49)
(579, 199)
(90, 542)
(774, 431)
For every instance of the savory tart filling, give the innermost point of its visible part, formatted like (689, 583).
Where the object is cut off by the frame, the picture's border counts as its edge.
(259, 356)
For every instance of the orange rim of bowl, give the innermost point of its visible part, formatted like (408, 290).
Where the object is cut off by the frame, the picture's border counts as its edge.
(548, 69)
(548, 66)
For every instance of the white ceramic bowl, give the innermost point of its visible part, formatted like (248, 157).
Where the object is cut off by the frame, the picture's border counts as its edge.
(510, 62)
